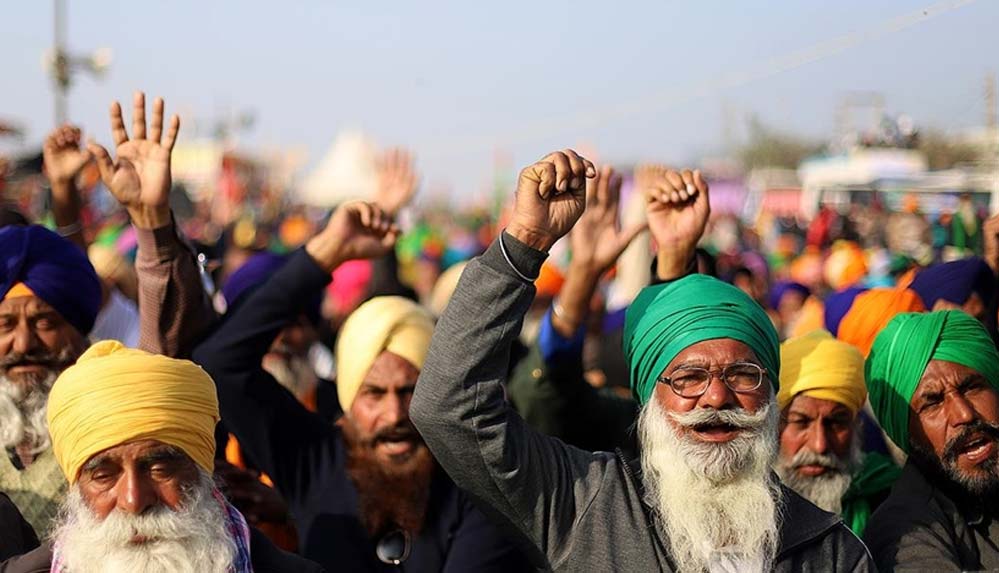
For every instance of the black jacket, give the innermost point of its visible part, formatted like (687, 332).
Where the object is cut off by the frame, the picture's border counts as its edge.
(922, 527)
(305, 455)
(16, 535)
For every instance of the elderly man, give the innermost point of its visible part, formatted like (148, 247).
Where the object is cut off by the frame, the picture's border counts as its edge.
(365, 493)
(50, 297)
(934, 386)
(704, 364)
(821, 394)
(134, 435)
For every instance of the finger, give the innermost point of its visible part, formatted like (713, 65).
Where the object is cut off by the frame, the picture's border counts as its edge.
(578, 178)
(614, 189)
(674, 197)
(690, 188)
(364, 213)
(674, 180)
(139, 115)
(603, 187)
(702, 202)
(156, 123)
(118, 132)
(104, 163)
(543, 173)
(171, 136)
(563, 171)
(388, 241)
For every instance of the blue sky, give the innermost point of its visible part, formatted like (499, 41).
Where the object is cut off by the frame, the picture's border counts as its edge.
(460, 82)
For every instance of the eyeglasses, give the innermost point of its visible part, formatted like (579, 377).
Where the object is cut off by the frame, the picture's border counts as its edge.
(693, 382)
(394, 547)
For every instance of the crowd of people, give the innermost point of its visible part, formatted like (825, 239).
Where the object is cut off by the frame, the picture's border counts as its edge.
(357, 395)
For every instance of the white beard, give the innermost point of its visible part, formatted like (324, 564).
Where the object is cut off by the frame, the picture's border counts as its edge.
(714, 502)
(22, 413)
(193, 539)
(826, 490)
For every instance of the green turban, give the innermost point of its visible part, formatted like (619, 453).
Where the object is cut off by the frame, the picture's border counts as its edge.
(665, 319)
(905, 347)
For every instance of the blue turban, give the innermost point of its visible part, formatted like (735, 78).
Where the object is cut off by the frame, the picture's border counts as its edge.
(837, 305)
(56, 271)
(255, 272)
(954, 282)
(668, 318)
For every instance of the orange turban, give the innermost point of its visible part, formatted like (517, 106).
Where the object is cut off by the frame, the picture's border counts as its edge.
(871, 311)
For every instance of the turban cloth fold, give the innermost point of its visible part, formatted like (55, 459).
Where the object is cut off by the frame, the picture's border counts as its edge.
(391, 323)
(846, 265)
(902, 352)
(871, 311)
(114, 395)
(822, 367)
(837, 305)
(665, 319)
(52, 268)
(954, 282)
(782, 288)
(255, 272)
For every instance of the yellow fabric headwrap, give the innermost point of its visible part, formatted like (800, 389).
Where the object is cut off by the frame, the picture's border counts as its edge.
(822, 367)
(114, 395)
(391, 323)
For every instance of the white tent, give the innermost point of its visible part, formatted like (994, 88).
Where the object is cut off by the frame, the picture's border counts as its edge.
(347, 171)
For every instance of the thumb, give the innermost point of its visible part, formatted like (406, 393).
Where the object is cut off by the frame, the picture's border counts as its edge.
(104, 163)
(628, 235)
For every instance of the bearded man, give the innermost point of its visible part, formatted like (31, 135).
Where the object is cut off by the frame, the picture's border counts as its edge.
(133, 433)
(50, 296)
(704, 363)
(821, 395)
(934, 386)
(365, 493)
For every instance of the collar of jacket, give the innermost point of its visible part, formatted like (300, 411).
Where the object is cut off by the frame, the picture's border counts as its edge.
(809, 522)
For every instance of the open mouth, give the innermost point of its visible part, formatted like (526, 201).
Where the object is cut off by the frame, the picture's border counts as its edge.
(977, 449)
(716, 431)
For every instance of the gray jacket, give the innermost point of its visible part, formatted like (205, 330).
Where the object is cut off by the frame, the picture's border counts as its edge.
(920, 528)
(576, 510)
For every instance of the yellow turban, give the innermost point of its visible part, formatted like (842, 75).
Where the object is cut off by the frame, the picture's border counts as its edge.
(391, 323)
(822, 367)
(114, 395)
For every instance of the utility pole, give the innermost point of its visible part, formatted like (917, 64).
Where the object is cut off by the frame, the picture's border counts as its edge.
(61, 64)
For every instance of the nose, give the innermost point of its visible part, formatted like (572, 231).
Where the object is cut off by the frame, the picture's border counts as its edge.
(818, 441)
(24, 338)
(959, 410)
(396, 409)
(135, 493)
(718, 395)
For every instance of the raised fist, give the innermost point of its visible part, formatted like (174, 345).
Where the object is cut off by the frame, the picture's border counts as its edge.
(357, 230)
(551, 196)
(62, 155)
(678, 208)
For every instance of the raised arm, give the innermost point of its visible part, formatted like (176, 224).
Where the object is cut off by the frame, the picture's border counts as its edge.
(527, 480)
(63, 160)
(552, 395)
(280, 435)
(174, 309)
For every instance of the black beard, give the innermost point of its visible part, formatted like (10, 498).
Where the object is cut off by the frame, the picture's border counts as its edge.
(390, 496)
(944, 470)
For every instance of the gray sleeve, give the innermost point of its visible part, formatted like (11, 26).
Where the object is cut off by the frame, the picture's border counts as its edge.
(905, 543)
(530, 482)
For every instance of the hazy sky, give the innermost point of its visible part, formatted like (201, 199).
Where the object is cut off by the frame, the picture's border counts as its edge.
(460, 82)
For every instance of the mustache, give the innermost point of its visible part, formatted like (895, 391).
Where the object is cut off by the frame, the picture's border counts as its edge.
(738, 418)
(399, 433)
(51, 360)
(971, 432)
(806, 457)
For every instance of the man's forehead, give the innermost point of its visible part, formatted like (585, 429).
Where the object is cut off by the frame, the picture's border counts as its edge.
(812, 406)
(20, 304)
(723, 350)
(136, 449)
(939, 373)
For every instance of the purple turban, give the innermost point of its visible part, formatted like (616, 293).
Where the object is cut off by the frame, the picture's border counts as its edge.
(254, 273)
(954, 282)
(780, 289)
(837, 305)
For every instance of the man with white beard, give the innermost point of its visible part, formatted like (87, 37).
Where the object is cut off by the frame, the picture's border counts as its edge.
(704, 364)
(133, 433)
(50, 295)
(822, 393)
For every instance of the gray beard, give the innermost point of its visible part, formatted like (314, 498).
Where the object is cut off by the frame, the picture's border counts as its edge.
(193, 539)
(22, 412)
(713, 501)
(825, 491)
